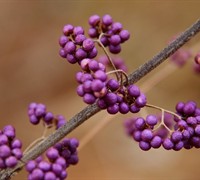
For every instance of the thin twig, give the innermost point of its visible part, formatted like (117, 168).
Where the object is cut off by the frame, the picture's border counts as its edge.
(91, 110)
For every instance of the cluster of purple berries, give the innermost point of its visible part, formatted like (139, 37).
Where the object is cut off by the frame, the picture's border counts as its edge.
(38, 112)
(59, 158)
(75, 46)
(10, 148)
(113, 32)
(92, 80)
(185, 134)
(122, 99)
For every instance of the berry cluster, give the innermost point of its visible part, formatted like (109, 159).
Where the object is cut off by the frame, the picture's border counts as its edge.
(38, 112)
(59, 158)
(122, 99)
(75, 46)
(112, 33)
(94, 84)
(154, 132)
(91, 80)
(10, 148)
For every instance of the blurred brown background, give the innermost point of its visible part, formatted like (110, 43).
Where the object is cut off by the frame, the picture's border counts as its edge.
(31, 70)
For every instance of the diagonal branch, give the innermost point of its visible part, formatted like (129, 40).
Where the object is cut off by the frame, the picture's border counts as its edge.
(91, 110)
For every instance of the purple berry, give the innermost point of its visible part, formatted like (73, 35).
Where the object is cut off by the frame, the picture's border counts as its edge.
(133, 90)
(31, 165)
(89, 98)
(52, 154)
(140, 123)
(78, 30)
(94, 20)
(176, 136)
(107, 20)
(115, 40)
(168, 144)
(44, 166)
(88, 45)
(113, 109)
(70, 47)
(5, 151)
(11, 161)
(156, 142)
(146, 135)
(151, 120)
(124, 35)
(145, 146)
(68, 29)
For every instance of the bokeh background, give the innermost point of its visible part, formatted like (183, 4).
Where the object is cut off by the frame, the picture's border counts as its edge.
(31, 70)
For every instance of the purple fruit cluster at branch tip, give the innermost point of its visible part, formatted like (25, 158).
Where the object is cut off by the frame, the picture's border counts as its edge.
(58, 159)
(38, 112)
(106, 92)
(181, 130)
(10, 148)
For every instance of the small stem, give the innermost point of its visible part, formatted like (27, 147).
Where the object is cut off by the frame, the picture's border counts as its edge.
(40, 139)
(106, 52)
(122, 72)
(159, 108)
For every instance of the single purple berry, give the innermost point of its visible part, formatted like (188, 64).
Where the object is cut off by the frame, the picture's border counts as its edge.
(80, 54)
(31, 165)
(71, 58)
(145, 146)
(124, 35)
(146, 135)
(123, 108)
(107, 20)
(3, 139)
(168, 144)
(97, 85)
(140, 123)
(197, 130)
(44, 166)
(70, 47)
(115, 40)
(113, 109)
(11, 161)
(37, 174)
(116, 27)
(141, 101)
(115, 49)
(133, 90)
(48, 118)
(5, 151)
(94, 20)
(63, 40)
(52, 154)
(93, 32)
(151, 120)
(89, 98)
(137, 136)
(156, 142)
(100, 75)
(68, 29)
(176, 136)
(78, 30)
(88, 44)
